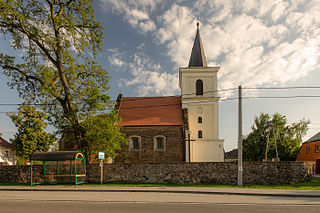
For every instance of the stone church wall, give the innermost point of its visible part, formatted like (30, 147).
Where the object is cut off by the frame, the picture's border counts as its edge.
(267, 173)
(174, 145)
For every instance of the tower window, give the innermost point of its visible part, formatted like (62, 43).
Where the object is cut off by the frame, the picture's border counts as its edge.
(200, 120)
(199, 134)
(199, 87)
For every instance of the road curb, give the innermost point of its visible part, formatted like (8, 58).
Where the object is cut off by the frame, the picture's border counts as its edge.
(165, 191)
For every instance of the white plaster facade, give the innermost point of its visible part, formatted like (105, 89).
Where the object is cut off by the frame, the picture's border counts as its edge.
(209, 148)
(7, 156)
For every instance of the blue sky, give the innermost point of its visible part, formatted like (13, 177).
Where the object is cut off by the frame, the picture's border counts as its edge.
(256, 43)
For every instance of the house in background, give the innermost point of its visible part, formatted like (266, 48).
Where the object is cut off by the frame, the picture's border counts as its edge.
(231, 156)
(7, 156)
(309, 151)
(175, 128)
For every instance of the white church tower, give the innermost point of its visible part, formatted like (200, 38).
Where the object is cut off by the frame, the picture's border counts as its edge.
(198, 84)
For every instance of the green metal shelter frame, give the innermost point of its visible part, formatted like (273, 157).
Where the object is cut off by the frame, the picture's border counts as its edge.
(69, 161)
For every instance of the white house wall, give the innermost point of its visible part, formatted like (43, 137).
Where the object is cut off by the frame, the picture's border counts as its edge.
(207, 151)
(10, 160)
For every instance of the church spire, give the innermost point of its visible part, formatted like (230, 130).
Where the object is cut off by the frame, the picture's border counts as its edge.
(197, 58)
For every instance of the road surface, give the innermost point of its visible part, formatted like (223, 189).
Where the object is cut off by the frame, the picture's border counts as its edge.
(77, 201)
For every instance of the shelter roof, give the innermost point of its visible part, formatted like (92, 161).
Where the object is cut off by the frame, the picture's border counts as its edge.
(5, 144)
(63, 155)
(150, 111)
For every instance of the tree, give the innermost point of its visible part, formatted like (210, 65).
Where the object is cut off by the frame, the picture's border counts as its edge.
(59, 40)
(106, 141)
(284, 139)
(31, 136)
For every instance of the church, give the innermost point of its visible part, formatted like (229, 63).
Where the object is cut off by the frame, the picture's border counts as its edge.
(175, 129)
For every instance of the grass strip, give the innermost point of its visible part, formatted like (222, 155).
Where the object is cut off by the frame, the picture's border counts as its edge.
(312, 185)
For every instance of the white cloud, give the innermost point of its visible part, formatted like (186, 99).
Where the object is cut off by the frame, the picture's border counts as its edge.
(271, 42)
(116, 58)
(135, 12)
(256, 43)
(148, 79)
(176, 32)
(141, 46)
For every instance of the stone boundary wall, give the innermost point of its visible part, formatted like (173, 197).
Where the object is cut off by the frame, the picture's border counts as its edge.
(264, 173)
(19, 173)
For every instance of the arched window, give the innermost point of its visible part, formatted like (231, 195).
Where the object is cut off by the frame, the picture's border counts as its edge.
(199, 134)
(159, 143)
(199, 87)
(134, 143)
(199, 120)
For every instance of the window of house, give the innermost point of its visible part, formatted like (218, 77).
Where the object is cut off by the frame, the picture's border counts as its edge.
(308, 149)
(134, 143)
(199, 134)
(159, 143)
(200, 120)
(317, 148)
(199, 87)
(6, 154)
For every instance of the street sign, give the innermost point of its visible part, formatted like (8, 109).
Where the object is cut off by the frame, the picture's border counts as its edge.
(101, 155)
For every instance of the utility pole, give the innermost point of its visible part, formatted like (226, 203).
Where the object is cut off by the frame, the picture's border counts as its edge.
(240, 170)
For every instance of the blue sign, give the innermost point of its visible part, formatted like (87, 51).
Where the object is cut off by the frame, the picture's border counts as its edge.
(101, 155)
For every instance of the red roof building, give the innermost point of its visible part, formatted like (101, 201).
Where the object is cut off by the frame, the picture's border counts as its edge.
(154, 127)
(150, 111)
(309, 151)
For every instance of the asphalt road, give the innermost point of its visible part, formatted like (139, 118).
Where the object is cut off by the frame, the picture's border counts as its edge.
(83, 206)
(69, 202)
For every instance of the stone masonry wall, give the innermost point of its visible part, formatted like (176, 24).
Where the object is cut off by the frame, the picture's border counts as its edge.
(174, 145)
(19, 174)
(266, 173)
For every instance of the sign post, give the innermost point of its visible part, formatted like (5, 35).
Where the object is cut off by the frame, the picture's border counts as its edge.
(101, 158)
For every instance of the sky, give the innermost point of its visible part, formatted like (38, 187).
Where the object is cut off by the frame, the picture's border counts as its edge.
(267, 43)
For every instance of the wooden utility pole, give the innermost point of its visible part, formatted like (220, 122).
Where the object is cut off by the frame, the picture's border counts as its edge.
(268, 137)
(240, 170)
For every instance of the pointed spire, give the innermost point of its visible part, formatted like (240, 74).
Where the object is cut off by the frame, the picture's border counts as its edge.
(197, 58)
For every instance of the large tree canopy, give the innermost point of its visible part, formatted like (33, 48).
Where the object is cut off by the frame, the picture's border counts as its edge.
(58, 41)
(283, 139)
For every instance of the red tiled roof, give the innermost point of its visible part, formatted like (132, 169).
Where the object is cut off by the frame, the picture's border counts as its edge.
(150, 111)
(4, 143)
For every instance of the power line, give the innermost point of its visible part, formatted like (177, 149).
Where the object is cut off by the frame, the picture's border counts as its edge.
(281, 88)
(219, 90)
(282, 97)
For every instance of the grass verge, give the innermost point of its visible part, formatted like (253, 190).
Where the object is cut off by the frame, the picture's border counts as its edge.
(312, 185)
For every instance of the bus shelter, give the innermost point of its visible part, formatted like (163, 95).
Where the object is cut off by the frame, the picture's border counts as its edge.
(58, 167)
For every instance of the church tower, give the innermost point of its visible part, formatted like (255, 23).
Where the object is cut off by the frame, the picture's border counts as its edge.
(198, 84)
